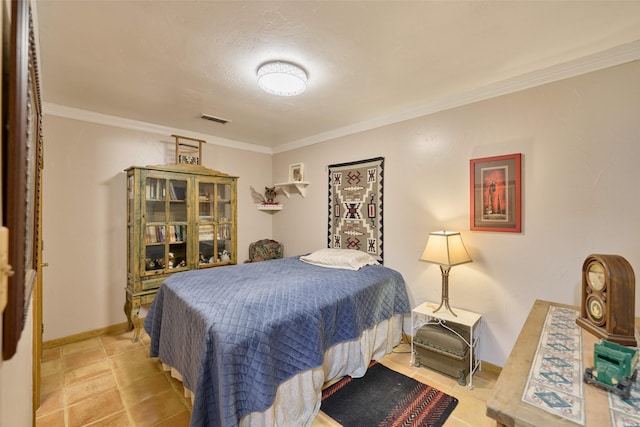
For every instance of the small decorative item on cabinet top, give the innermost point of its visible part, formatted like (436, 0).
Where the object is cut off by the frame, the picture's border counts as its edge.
(188, 150)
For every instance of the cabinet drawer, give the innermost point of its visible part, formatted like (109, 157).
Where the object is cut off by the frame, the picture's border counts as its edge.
(147, 299)
(149, 284)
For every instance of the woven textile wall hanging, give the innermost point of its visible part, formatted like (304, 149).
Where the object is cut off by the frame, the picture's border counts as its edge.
(355, 206)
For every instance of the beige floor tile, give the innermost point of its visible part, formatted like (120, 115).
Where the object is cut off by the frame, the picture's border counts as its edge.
(469, 410)
(87, 344)
(119, 419)
(482, 389)
(145, 339)
(51, 402)
(95, 408)
(452, 421)
(81, 358)
(399, 366)
(468, 405)
(186, 401)
(132, 372)
(323, 420)
(118, 343)
(180, 420)
(51, 366)
(137, 354)
(54, 419)
(161, 407)
(51, 354)
(91, 387)
(176, 383)
(145, 388)
(84, 373)
(52, 382)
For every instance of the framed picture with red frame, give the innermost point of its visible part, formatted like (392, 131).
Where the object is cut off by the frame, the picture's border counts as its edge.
(496, 193)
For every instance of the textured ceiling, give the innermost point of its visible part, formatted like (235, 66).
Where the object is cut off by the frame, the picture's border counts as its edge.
(370, 62)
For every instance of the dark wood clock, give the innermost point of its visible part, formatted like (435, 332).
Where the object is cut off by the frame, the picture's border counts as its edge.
(608, 299)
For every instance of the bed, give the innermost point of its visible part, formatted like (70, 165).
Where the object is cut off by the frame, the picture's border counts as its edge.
(256, 342)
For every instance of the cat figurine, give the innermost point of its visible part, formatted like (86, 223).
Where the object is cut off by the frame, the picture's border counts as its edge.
(270, 194)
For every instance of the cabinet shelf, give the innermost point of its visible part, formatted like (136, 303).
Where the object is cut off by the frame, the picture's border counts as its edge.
(294, 186)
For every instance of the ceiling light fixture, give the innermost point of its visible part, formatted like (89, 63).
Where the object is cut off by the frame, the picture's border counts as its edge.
(282, 78)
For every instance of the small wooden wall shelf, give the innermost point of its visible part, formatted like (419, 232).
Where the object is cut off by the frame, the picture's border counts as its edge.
(294, 186)
(262, 207)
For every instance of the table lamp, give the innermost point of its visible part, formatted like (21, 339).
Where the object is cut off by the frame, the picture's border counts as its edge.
(446, 249)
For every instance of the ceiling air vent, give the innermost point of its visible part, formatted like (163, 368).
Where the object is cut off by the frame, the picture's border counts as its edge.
(214, 119)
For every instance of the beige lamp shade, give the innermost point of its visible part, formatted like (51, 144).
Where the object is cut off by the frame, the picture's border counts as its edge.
(445, 248)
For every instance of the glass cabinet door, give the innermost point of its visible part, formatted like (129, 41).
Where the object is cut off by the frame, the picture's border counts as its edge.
(207, 253)
(214, 223)
(131, 208)
(165, 218)
(224, 217)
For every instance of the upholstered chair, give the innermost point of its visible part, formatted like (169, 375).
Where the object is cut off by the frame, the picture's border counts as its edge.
(265, 249)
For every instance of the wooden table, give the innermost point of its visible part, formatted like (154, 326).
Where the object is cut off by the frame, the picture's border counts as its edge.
(506, 405)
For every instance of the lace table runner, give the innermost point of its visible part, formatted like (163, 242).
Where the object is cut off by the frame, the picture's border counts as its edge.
(555, 379)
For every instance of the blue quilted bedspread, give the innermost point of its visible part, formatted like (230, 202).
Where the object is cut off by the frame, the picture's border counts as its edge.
(236, 332)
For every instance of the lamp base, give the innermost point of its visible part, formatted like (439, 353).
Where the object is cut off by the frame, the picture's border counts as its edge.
(445, 290)
(445, 303)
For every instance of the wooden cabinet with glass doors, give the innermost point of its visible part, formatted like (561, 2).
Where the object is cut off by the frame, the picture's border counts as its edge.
(179, 218)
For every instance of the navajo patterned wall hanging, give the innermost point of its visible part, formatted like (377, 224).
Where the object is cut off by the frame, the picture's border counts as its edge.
(355, 206)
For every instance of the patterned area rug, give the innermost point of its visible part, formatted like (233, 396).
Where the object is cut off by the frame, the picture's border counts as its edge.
(384, 397)
(555, 381)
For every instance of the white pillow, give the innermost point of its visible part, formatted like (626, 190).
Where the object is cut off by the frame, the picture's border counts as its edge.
(349, 259)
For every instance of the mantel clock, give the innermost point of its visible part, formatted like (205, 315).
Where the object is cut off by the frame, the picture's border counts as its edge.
(608, 299)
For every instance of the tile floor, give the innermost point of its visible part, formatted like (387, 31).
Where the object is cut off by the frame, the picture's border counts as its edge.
(110, 381)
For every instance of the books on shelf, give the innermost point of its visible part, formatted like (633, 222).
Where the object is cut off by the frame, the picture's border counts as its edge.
(155, 234)
(155, 189)
(205, 232)
(177, 233)
(159, 234)
(177, 190)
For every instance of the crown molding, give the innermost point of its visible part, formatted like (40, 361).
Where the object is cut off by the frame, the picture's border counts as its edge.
(120, 122)
(598, 61)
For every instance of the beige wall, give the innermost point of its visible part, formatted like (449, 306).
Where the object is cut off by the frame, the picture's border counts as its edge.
(580, 140)
(16, 387)
(578, 137)
(84, 215)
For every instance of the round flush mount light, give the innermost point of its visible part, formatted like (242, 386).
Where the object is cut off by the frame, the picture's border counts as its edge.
(282, 78)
